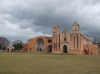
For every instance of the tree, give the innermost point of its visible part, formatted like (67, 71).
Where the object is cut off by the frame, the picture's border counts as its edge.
(18, 46)
(4, 42)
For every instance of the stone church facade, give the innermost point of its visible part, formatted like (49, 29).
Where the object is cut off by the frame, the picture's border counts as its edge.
(73, 42)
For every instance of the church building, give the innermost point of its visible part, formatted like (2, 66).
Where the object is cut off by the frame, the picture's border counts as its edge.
(73, 42)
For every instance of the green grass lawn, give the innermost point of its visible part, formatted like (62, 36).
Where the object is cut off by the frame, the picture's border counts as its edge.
(40, 63)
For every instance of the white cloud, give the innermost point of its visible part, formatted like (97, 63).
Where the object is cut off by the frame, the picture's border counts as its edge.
(11, 30)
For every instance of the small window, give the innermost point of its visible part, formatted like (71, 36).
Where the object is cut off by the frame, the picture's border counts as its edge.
(64, 39)
(30, 49)
(49, 41)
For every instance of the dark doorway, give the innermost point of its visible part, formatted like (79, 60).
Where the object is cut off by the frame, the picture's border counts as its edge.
(65, 49)
(50, 49)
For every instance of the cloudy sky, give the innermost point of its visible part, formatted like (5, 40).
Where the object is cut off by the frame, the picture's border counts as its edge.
(24, 19)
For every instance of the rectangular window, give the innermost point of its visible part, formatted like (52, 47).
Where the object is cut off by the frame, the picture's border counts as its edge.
(74, 41)
(77, 40)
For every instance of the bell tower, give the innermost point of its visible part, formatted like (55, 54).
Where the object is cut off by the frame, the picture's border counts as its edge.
(55, 29)
(55, 39)
(75, 27)
(75, 36)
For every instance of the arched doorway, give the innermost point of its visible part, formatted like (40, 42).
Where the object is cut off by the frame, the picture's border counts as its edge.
(40, 44)
(65, 48)
(49, 49)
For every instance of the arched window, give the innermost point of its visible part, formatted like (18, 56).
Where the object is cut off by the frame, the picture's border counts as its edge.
(49, 41)
(30, 49)
(64, 39)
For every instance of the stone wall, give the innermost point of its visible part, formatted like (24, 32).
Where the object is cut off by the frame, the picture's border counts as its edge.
(73, 42)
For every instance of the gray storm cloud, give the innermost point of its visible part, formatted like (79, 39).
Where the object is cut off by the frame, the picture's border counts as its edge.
(37, 17)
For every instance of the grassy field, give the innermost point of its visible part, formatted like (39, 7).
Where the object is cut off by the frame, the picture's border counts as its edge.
(30, 63)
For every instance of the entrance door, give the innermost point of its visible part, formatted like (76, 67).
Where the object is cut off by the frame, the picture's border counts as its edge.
(65, 49)
(50, 49)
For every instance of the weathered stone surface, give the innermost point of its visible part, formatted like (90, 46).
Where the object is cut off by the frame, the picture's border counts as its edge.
(73, 42)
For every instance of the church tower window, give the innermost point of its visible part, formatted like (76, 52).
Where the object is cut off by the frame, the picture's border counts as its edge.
(64, 39)
(77, 40)
(49, 41)
(74, 41)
